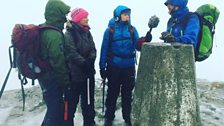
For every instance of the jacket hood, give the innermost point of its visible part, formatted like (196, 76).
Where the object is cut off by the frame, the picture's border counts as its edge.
(118, 11)
(111, 22)
(55, 13)
(183, 9)
(179, 3)
(180, 13)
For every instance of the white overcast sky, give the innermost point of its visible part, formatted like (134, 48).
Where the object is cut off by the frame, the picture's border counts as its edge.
(32, 11)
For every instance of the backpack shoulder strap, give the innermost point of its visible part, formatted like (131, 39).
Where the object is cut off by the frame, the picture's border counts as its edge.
(185, 20)
(188, 16)
(111, 35)
(43, 26)
(111, 32)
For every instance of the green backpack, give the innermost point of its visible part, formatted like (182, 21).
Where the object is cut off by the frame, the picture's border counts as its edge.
(208, 15)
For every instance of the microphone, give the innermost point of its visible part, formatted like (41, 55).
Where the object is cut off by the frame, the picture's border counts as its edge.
(153, 22)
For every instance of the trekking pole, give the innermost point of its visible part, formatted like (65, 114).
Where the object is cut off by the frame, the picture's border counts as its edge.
(7, 76)
(88, 92)
(6, 79)
(104, 82)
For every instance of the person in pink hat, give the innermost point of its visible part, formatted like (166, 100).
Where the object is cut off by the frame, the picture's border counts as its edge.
(81, 55)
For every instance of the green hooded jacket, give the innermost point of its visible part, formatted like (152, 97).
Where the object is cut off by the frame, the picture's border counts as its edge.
(53, 41)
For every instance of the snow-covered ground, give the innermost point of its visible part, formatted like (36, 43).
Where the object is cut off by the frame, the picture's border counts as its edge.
(211, 99)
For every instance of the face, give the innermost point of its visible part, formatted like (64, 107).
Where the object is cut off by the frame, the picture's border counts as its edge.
(84, 21)
(172, 8)
(125, 17)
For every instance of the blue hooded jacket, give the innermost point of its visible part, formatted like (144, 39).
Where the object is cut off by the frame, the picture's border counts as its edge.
(189, 34)
(121, 47)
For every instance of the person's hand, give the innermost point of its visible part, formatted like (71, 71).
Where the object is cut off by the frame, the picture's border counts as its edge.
(103, 73)
(167, 37)
(148, 37)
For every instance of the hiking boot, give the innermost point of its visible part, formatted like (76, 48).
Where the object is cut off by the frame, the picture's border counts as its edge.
(108, 122)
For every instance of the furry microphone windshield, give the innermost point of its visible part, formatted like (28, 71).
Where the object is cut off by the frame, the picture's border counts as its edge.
(153, 21)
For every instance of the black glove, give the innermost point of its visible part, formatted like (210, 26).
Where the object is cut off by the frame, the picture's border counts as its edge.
(103, 73)
(148, 37)
(167, 37)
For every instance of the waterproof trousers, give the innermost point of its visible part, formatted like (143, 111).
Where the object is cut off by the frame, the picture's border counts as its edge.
(119, 80)
(76, 90)
(53, 97)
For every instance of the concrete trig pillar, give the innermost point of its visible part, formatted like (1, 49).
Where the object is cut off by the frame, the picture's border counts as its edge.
(165, 93)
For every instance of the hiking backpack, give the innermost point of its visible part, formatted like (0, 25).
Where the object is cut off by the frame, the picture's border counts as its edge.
(26, 56)
(208, 15)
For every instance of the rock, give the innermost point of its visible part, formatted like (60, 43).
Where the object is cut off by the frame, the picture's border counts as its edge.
(216, 85)
(165, 92)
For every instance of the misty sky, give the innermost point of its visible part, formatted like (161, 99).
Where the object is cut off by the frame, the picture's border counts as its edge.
(101, 11)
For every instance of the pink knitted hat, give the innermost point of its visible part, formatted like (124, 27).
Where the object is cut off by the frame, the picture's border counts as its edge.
(78, 14)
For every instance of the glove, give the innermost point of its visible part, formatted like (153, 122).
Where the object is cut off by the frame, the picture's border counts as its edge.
(103, 73)
(148, 37)
(167, 37)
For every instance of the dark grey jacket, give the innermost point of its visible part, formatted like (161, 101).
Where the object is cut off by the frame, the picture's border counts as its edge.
(79, 47)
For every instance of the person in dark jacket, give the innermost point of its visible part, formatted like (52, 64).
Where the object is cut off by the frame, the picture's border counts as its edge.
(54, 81)
(81, 55)
(176, 32)
(117, 62)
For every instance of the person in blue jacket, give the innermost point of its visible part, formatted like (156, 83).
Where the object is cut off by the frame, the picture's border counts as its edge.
(117, 62)
(176, 31)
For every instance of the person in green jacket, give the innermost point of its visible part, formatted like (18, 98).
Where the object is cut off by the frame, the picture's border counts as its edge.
(54, 81)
